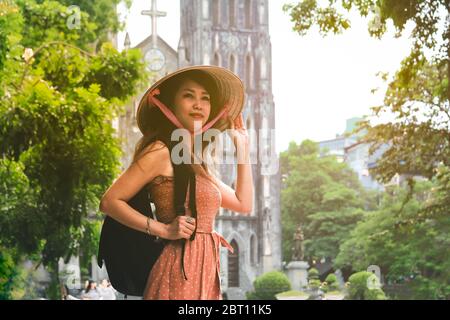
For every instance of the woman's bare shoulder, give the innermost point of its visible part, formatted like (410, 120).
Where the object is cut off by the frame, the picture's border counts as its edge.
(155, 146)
(155, 156)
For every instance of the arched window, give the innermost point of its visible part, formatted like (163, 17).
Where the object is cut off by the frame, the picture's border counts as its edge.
(217, 61)
(232, 12)
(233, 63)
(263, 68)
(248, 14)
(233, 265)
(216, 12)
(206, 59)
(262, 12)
(249, 71)
(205, 9)
(266, 184)
(253, 250)
(233, 213)
(187, 54)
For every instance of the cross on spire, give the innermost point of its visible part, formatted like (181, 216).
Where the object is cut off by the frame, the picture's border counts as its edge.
(154, 14)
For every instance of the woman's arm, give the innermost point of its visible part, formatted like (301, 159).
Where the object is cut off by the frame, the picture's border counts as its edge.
(241, 199)
(114, 201)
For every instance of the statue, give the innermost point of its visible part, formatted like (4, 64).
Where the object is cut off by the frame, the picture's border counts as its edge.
(299, 248)
(297, 269)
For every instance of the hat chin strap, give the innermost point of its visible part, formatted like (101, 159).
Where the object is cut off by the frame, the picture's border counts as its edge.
(169, 114)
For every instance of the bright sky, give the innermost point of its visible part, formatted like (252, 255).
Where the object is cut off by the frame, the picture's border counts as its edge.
(318, 82)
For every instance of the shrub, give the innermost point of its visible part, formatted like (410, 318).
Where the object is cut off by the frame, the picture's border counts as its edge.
(268, 285)
(359, 290)
(8, 272)
(313, 273)
(314, 284)
(332, 283)
(251, 295)
(375, 294)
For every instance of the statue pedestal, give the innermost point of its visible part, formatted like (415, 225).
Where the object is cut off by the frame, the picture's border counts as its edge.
(297, 272)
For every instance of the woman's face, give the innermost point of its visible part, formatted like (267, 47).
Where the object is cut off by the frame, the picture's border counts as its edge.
(192, 104)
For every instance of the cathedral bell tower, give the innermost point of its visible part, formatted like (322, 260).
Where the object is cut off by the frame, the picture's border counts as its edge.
(234, 34)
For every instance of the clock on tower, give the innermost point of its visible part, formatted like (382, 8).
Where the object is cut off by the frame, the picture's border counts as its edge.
(155, 59)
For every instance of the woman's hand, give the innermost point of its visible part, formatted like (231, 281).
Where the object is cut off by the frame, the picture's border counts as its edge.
(240, 199)
(181, 227)
(239, 136)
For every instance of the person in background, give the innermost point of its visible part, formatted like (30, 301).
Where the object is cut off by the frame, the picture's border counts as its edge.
(106, 290)
(91, 292)
(65, 295)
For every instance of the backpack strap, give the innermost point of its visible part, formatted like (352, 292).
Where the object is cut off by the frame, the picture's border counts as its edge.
(184, 178)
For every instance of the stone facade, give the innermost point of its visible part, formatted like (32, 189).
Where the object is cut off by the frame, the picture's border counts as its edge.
(235, 35)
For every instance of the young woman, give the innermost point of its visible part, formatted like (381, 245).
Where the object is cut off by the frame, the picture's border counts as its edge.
(205, 97)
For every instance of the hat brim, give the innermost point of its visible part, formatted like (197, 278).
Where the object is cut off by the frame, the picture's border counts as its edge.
(230, 91)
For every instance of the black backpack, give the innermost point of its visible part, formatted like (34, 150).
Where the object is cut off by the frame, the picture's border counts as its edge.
(129, 255)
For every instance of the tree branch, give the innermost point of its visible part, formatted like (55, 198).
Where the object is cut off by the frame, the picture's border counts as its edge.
(45, 45)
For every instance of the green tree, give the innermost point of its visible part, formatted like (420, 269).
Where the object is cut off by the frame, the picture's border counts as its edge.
(407, 243)
(418, 139)
(56, 135)
(10, 25)
(418, 96)
(84, 23)
(8, 272)
(428, 16)
(322, 195)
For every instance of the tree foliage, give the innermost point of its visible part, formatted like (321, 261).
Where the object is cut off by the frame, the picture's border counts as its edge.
(417, 97)
(58, 150)
(409, 244)
(405, 236)
(322, 195)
